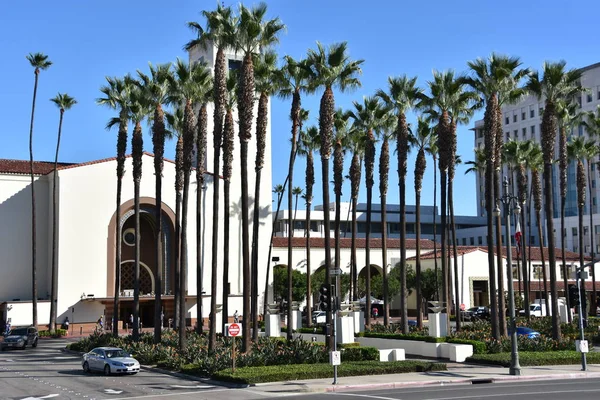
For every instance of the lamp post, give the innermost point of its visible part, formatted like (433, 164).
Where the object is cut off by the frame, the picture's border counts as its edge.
(509, 201)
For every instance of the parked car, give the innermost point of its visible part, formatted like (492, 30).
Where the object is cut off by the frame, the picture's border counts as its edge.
(525, 331)
(319, 317)
(475, 313)
(20, 338)
(110, 360)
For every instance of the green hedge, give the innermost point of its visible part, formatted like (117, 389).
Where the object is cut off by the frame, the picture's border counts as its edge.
(527, 358)
(55, 334)
(276, 373)
(400, 336)
(360, 354)
(478, 347)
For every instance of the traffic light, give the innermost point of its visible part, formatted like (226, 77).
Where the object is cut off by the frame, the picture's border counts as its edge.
(324, 298)
(573, 296)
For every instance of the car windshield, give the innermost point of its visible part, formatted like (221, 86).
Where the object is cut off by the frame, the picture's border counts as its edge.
(473, 309)
(116, 353)
(19, 331)
(533, 306)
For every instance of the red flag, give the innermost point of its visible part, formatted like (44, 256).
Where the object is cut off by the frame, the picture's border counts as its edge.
(518, 236)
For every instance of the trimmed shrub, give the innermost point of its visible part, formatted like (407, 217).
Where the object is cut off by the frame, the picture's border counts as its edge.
(57, 333)
(478, 347)
(253, 375)
(360, 354)
(534, 358)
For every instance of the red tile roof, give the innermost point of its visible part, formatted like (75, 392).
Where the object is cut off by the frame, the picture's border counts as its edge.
(346, 243)
(535, 253)
(21, 167)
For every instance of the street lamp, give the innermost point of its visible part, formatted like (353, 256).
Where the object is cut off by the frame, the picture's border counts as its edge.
(509, 201)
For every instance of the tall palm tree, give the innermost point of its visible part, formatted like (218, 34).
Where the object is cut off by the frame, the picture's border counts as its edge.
(278, 189)
(265, 71)
(433, 150)
(423, 137)
(228, 146)
(535, 163)
(253, 34)
(190, 83)
(330, 67)
(341, 137)
(117, 96)
(555, 84)
(401, 96)
(591, 122)
(155, 88)
(219, 33)
(358, 149)
(578, 149)
(369, 118)
(293, 82)
(64, 102)
(463, 104)
(39, 62)
(496, 80)
(307, 145)
(138, 110)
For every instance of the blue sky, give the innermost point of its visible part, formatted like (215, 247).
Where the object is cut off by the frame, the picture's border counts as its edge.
(88, 40)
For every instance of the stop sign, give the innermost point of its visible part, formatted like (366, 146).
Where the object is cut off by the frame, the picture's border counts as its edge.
(234, 329)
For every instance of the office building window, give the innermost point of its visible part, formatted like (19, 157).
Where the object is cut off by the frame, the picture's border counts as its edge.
(532, 129)
(516, 133)
(585, 230)
(589, 98)
(464, 241)
(515, 117)
(523, 114)
(593, 183)
(579, 100)
(574, 231)
(593, 166)
(532, 240)
(531, 111)
(598, 94)
(524, 130)
(538, 272)
(472, 241)
(593, 201)
(507, 136)
(515, 272)
(507, 120)
(480, 240)
(596, 229)
(541, 111)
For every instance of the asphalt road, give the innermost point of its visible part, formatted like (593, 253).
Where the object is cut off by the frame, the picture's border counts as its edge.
(580, 389)
(47, 373)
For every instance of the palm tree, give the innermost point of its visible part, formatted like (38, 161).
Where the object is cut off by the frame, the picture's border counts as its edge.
(496, 80)
(253, 34)
(138, 110)
(117, 97)
(384, 168)
(341, 138)
(293, 82)
(228, 145)
(155, 89)
(401, 96)
(307, 145)
(579, 149)
(39, 62)
(433, 150)
(64, 102)
(422, 139)
(591, 122)
(463, 104)
(330, 67)
(556, 84)
(535, 164)
(265, 70)
(369, 117)
(190, 83)
(279, 190)
(358, 149)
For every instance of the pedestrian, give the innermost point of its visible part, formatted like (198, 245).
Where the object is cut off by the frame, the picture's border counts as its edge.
(236, 316)
(375, 313)
(7, 330)
(66, 323)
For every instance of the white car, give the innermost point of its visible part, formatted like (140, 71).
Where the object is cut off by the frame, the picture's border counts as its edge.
(319, 317)
(110, 360)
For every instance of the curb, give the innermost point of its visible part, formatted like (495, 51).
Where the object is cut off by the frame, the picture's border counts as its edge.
(466, 381)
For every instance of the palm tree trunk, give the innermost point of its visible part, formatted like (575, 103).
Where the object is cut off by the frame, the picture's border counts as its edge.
(177, 258)
(457, 299)
(183, 272)
(136, 150)
(419, 294)
(551, 256)
(386, 302)
(121, 149)
(354, 277)
(499, 261)
(265, 303)
(201, 138)
(226, 228)
(158, 137)
(525, 273)
(563, 201)
(308, 269)
(435, 260)
(33, 222)
(443, 175)
(255, 226)
(245, 245)
(212, 337)
(54, 279)
(594, 306)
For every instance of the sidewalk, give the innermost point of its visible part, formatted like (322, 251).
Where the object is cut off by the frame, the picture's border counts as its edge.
(456, 374)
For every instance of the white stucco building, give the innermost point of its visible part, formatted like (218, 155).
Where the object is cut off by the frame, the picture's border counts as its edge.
(86, 204)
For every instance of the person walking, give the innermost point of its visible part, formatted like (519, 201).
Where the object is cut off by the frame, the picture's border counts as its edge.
(375, 313)
(236, 316)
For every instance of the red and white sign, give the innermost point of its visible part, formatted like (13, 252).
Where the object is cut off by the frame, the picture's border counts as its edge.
(462, 307)
(234, 329)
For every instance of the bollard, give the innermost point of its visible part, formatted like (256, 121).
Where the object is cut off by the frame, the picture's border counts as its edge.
(81, 330)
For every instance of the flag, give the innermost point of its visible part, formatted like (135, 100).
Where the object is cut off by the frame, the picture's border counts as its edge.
(518, 236)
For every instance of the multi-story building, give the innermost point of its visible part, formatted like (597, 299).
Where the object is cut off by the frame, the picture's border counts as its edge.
(522, 121)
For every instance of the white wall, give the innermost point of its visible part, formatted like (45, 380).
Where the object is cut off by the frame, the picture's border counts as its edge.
(20, 313)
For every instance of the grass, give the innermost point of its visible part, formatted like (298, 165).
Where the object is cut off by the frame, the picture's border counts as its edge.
(530, 359)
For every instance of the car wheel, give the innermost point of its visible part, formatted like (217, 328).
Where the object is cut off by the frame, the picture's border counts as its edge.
(86, 367)
(24, 346)
(34, 343)
(106, 370)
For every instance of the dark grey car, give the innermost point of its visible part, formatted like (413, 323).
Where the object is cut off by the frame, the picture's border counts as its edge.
(19, 338)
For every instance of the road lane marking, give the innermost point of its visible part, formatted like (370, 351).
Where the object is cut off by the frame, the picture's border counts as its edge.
(481, 396)
(191, 387)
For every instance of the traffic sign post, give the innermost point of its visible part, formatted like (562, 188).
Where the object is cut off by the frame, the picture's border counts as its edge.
(233, 330)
